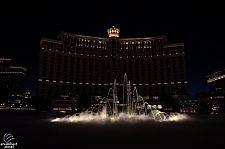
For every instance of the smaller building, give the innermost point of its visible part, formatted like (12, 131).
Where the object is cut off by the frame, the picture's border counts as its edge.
(12, 78)
(65, 103)
(27, 95)
(188, 106)
(216, 80)
(18, 103)
(217, 101)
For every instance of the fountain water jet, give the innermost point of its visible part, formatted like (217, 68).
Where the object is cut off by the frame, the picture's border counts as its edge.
(136, 107)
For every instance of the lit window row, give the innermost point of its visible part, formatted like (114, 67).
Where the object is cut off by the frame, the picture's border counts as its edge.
(16, 95)
(139, 54)
(14, 72)
(159, 83)
(216, 78)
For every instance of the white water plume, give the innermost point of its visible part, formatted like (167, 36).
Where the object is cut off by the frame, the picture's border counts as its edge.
(103, 117)
(178, 117)
(136, 109)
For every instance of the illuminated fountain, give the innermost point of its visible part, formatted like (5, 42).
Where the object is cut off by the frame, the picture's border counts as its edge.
(135, 107)
(111, 101)
(107, 109)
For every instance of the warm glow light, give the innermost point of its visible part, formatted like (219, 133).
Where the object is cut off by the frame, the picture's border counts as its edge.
(113, 32)
(5, 59)
(215, 78)
(18, 67)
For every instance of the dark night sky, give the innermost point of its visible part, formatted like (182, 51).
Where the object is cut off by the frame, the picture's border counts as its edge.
(200, 25)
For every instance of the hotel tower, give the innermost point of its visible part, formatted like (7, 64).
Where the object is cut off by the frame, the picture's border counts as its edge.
(85, 64)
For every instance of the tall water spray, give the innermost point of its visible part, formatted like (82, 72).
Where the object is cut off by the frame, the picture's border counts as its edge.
(127, 94)
(115, 98)
(125, 82)
(136, 107)
(136, 99)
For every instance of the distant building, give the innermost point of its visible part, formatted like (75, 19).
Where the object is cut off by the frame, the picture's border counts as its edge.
(86, 64)
(216, 80)
(12, 77)
(65, 103)
(188, 106)
(27, 95)
(217, 100)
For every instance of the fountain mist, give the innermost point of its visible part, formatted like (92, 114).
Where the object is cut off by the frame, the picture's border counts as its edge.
(136, 108)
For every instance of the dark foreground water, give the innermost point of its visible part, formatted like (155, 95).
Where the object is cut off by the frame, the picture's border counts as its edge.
(38, 132)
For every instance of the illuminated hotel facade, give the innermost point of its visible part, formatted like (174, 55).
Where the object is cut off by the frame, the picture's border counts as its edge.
(85, 64)
(216, 80)
(12, 77)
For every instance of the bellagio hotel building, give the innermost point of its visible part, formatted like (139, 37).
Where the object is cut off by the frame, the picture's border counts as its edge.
(85, 64)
